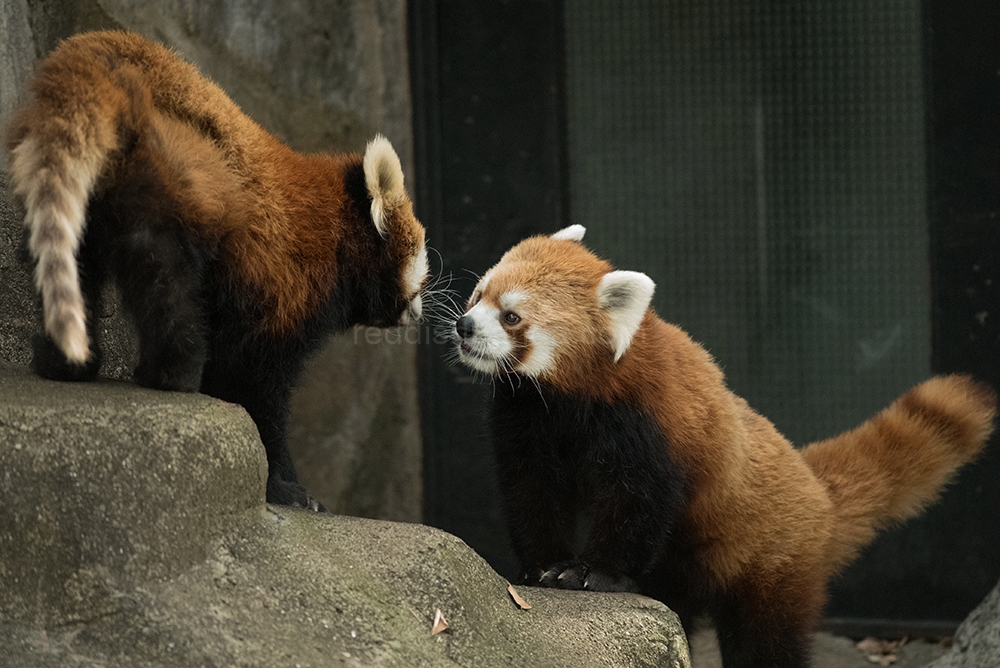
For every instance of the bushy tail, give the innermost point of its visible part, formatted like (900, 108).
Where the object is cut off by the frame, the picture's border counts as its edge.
(59, 145)
(893, 465)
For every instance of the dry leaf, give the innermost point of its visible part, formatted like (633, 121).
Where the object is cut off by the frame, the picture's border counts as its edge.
(440, 624)
(521, 603)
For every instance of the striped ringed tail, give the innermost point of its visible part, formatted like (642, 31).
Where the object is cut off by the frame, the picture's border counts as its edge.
(55, 180)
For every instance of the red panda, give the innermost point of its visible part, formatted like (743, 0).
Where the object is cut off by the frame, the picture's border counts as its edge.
(234, 254)
(690, 496)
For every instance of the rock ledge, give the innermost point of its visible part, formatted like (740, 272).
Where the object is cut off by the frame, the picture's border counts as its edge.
(133, 531)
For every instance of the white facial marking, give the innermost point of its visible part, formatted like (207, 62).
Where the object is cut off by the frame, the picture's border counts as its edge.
(413, 280)
(571, 233)
(542, 354)
(489, 344)
(416, 271)
(415, 310)
(509, 301)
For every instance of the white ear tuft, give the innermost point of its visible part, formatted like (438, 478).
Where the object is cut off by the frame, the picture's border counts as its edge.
(571, 233)
(384, 180)
(624, 296)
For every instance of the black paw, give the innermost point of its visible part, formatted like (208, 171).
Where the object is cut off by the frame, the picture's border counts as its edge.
(531, 576)
(50, 362)
(581, 575)
(284, 493)
(173, 379)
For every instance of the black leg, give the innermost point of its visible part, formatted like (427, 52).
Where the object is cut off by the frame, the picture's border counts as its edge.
(757, 635)
(539, 513)
(262, 383)
(637, 495)
(671, 583)
(160, 277)
(50, 362)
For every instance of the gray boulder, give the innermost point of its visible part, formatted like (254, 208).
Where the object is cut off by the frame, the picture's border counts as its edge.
(133, 532)
(977, 642)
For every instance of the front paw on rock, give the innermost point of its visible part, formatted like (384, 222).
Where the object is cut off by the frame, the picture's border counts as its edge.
(580, 575)
(285, 493)
(310, 503)
(532, 576)
(565, 576)
(598, 580)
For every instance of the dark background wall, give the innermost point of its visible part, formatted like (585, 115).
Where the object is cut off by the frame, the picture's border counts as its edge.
(487, 131)
(811, 184)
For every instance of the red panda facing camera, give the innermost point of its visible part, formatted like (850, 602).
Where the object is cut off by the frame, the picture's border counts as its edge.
(235, 256)
(691, 497)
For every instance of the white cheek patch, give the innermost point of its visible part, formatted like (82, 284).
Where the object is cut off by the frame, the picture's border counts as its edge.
(413, 279)
(416, 310)
(541, 354)
(416, 271)
(489, 342)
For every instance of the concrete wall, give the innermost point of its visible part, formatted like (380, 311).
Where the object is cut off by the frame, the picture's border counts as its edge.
(321, 75)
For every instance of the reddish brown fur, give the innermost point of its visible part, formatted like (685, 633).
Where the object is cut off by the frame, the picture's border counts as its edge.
(277, 215)
(764, 518)
(234, 255)
(874, 474)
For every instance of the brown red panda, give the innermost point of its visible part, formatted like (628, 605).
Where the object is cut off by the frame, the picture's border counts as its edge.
(691, 497)
(234, 255)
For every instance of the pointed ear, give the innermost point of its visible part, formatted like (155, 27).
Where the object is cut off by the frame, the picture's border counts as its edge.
(571, 233)
(384, 180)
(624, 296)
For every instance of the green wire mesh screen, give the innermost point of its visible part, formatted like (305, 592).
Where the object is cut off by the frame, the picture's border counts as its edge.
(764, 163)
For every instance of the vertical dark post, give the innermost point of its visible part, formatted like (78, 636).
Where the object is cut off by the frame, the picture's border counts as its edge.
(488, 126)
(964, 169)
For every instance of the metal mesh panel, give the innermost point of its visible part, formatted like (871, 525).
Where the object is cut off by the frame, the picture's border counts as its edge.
(764, 163)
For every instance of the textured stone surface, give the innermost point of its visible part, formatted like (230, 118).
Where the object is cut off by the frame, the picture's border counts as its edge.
(977, 641)
(133, 533)
(322, 76)
(17, 299)
(105, 485)
(828, 651)
(17, 54)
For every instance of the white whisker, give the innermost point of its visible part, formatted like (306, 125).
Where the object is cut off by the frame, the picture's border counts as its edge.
(538, 386)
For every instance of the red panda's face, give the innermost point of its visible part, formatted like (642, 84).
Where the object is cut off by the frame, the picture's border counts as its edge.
(547, 304)
(506, 329)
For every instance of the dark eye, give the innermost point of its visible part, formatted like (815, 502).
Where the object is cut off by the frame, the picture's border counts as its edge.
(511, 318)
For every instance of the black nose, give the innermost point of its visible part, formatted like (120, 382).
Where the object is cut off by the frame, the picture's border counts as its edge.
(465, 327)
